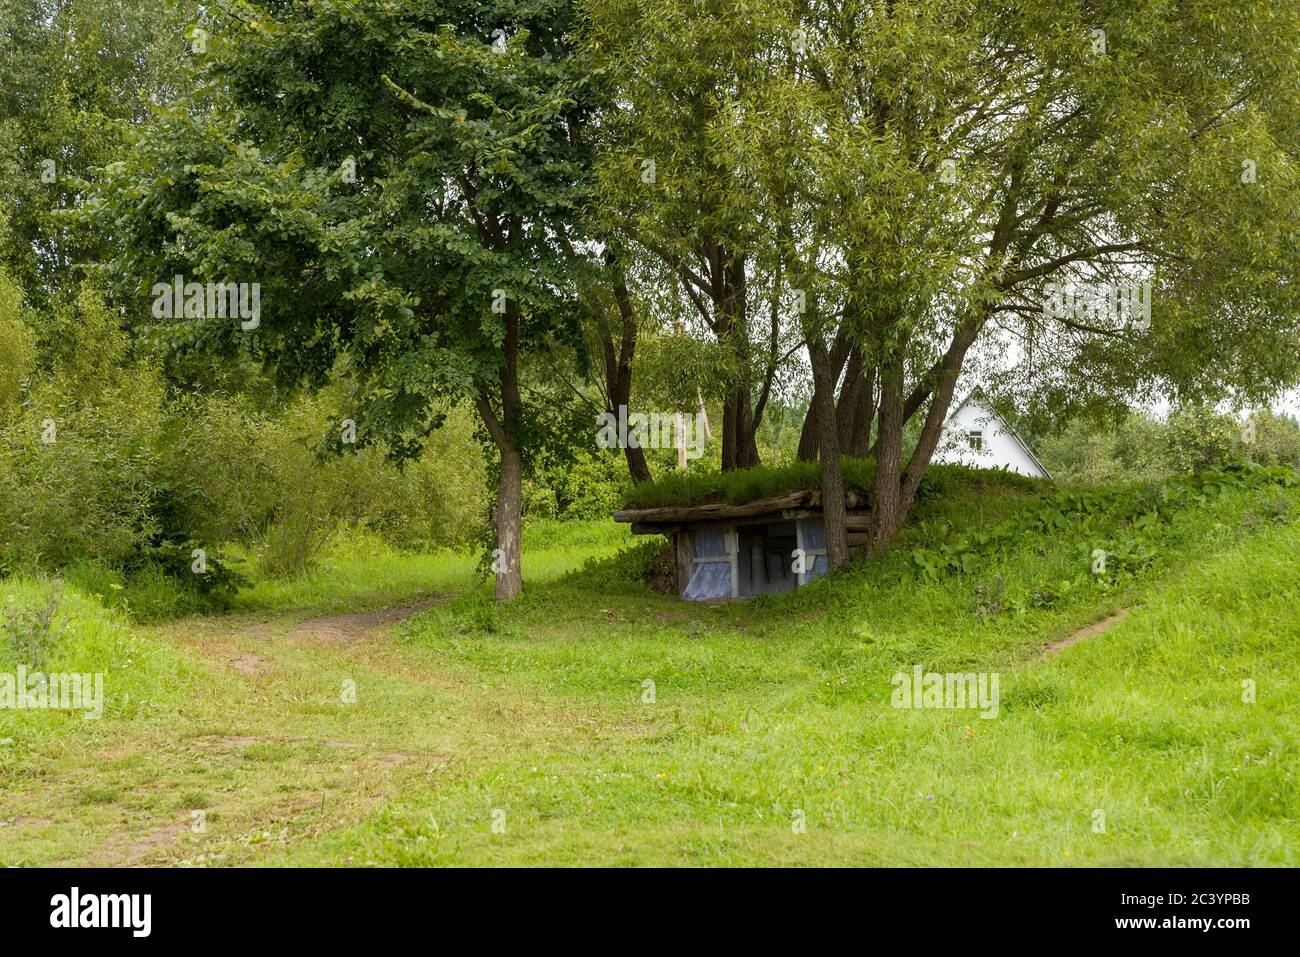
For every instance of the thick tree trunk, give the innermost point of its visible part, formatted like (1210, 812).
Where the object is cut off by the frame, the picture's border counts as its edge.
(864, 413)
(828, 442)
(739, 448)
(886, 501)
(729, 432)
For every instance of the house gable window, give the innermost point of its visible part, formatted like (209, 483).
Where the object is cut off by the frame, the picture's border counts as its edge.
(975, 439)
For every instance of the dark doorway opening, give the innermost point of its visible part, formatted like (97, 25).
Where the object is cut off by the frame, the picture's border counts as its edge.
(766, 558)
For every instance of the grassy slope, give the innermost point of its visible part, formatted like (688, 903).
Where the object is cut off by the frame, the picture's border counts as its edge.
(760, 710)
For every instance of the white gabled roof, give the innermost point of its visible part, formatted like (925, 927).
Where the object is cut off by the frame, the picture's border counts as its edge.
(978, 393)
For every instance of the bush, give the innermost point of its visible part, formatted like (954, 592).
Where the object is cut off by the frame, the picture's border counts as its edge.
(1198, 439)
(1084, 452)
(30, 631)
(1273, 440)
(591, 485)
(17, 347)
(77, 479)
(100, 467)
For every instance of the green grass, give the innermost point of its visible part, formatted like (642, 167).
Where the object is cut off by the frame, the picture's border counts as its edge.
(538, 717)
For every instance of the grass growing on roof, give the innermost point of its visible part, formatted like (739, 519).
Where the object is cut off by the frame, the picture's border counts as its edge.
(767, 481)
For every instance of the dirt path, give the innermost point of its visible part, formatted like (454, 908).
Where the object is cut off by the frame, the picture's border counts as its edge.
(1083, 634)
(354, 626)
(228, 773)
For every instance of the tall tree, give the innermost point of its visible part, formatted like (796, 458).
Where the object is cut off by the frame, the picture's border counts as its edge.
(396, 177)
(959, 163)
(682, 73)
(68, 68)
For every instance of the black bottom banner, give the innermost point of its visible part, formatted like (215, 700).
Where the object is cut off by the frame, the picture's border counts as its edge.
(335, 907)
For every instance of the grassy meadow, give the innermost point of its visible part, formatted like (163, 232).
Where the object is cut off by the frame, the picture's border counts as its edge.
(596, 721)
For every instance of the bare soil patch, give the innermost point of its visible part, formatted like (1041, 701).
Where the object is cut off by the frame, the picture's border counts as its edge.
(1083, 634)
(354, 626)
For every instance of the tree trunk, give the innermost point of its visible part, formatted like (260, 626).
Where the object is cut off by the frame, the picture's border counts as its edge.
(808, 437)
(746, 445)
(864, 413)
(506, 561)
(739, 448)
(854, 409)
(618, 371)
(892, 492)
(886, 501)
(828, 442)
(932, 429)
(729, 432)
(509, 576)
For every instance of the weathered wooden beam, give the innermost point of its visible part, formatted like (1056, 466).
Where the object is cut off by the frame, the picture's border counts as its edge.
(639, 528)
(801, 504)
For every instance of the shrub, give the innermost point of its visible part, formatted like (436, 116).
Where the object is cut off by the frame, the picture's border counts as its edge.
(100, 466)
(1275, 439)
(1199, 439)
(78, 479)
(17, 347)
(30, 631)
(1084, 452)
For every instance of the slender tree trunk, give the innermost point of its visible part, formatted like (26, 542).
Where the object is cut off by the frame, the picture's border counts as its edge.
(932, 428)
(892, 491)
(618, 372)
(828, 441)
(620, 394)
(849, 409)
(808, 437)
(509, 515)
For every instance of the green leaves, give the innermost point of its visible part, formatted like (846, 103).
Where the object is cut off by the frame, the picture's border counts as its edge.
(387, 176)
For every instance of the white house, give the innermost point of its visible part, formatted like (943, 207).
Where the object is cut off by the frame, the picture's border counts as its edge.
(976, 435)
